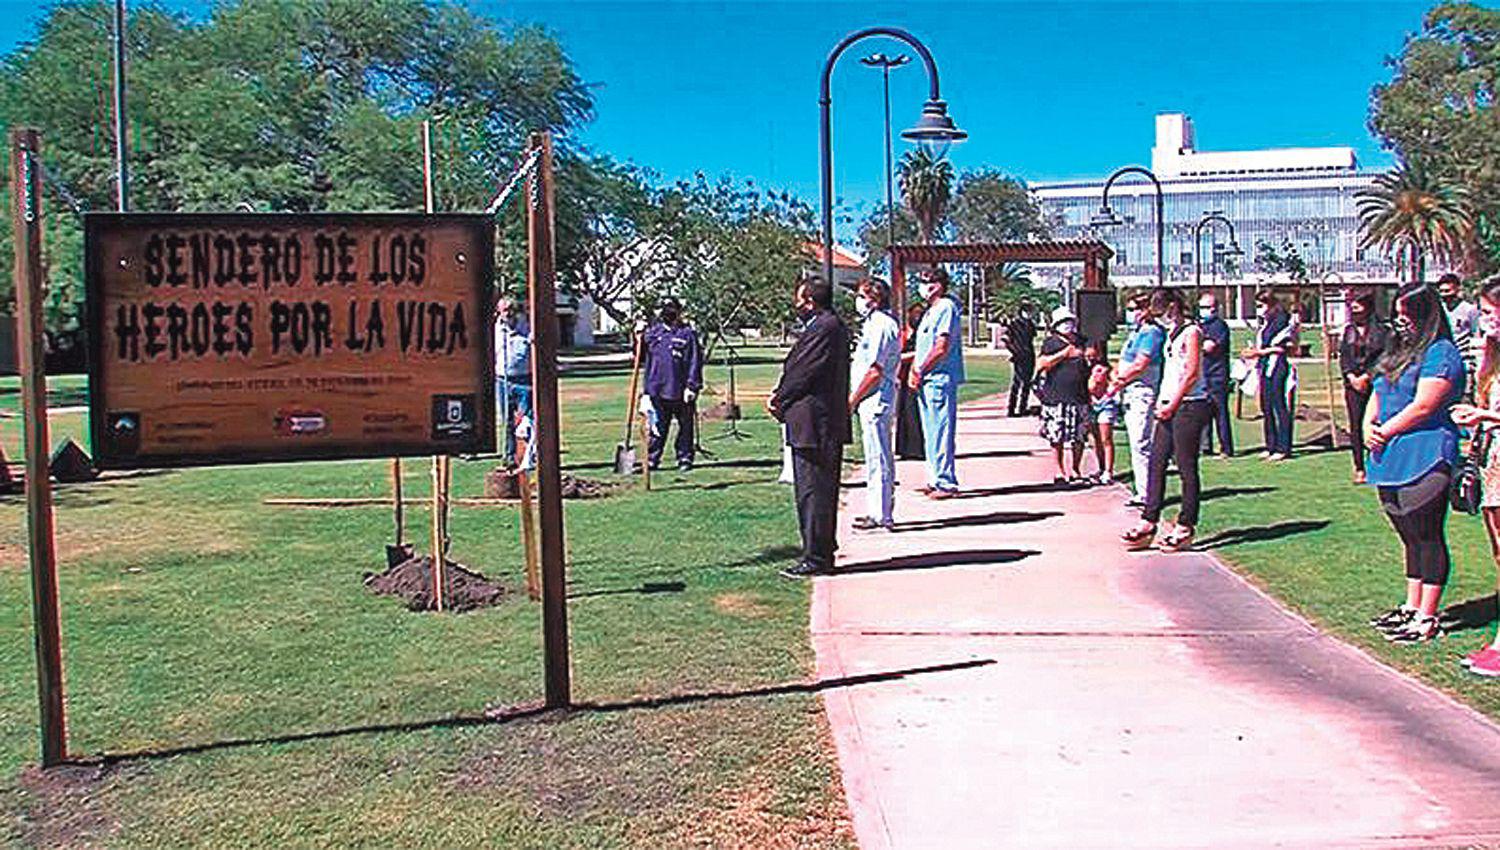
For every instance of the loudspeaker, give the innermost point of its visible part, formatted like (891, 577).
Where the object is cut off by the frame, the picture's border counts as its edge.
(1097, 311)
(72, 465)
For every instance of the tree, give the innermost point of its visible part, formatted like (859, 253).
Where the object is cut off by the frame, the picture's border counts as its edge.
(297, 105)
(874, 234)
(926, 187)
(1414, 214)
(989, 206)
(1286, 259)
(1008, 284)
(1439, 109)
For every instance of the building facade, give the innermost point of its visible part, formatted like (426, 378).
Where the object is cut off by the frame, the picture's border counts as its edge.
(1302, 198)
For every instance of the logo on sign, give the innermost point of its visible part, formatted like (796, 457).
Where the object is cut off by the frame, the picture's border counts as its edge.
(299, 423)
(453, 416)
(123, 428)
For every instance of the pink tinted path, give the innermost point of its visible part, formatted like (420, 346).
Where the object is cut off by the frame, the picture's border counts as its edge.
(1060, 693)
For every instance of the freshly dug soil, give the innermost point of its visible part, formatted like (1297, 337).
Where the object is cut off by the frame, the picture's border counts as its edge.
(501, 483)
(584, 488)
(723, 411)
(465, 590)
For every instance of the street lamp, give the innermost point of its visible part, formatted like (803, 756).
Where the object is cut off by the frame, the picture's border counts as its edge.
(934, 131)
(885, 64)
(1106, 217)
(1233, 250)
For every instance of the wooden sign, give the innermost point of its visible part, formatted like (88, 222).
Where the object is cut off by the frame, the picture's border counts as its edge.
(217, 338)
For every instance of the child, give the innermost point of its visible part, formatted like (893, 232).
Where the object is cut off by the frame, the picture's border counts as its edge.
(1106, 409)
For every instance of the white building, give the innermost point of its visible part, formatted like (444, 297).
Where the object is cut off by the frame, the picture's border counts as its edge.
(1304, 197)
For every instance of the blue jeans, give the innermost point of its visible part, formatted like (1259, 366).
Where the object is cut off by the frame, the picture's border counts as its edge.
(938, 404)
(507, 406)
(1276, 423)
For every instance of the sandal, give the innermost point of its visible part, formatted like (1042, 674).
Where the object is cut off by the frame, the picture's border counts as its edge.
(1139, 538)
(1179, 539)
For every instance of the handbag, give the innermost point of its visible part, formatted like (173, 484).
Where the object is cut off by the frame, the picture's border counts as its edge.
(1467, 488)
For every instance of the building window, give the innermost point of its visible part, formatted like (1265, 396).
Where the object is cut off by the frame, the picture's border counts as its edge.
(1187, 258)
(1120, 258)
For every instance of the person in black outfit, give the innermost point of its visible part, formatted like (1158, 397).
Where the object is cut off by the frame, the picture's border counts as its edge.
(812, 399)
(909, 442)
(1360, 348)
(1020, 341)
(1216, 373)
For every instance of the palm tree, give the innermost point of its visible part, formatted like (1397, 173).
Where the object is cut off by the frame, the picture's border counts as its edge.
(926, 187)
(1414, 214)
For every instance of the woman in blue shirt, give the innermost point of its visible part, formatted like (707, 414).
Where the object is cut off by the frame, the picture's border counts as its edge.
(1413, 446)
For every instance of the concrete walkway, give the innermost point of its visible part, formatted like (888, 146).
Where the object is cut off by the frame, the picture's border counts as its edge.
(1060, 693)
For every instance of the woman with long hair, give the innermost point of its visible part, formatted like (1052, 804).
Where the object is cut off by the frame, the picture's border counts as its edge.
(1183, 410)
(1275, 334)
(1413, 444)
(1484, 418)
(1360, 347)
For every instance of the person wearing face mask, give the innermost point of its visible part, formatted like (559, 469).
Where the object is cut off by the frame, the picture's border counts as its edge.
(1413, 444)
(1484, 418)
(877, 356)
(1274, 336)
(812, 400)
(1065, 395)
(936, 373)
(1135, 383)
(1182, 413)
(1360, 347)
(1463, 319)
(1216, 374)
(512, 373)
(1020, 341)
(674, 377)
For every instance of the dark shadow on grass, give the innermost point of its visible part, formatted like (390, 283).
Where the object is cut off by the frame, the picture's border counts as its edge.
(511, 714)
(933, 560)
(996, 518)
(1476, 613)
(1213, 493)
(1261, 533)
(649, 588)
(742, 463)
(769, 555)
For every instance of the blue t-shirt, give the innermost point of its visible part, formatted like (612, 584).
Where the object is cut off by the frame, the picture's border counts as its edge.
(1416, 451)
(942, 318)
(1148, 338)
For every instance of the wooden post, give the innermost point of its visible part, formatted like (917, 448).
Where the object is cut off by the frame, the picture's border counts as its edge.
(396, 494)
(439, 462)
(546, 435)
(26, 205)
(528, 535)
(1333, 416)
(646, 451)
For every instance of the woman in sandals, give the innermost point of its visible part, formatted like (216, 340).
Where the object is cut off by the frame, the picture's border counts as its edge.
(1183, 410)
(1413, 444)
(1484, 418)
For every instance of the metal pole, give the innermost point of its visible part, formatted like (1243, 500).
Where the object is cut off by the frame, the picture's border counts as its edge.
(1161, 221)
(122, 179)
(26, 207)
(546, 437)
(890, 167)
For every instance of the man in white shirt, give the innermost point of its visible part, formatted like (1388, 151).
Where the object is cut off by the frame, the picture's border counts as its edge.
(872, 374)
(1463, 320)
(512, 372)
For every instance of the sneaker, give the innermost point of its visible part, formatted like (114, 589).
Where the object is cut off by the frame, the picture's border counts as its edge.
(1135, 502)
(1265, 455)
(1105, 478)
(1393, 619)
(803, 569)
(1487, 664)
(684, 466)
(1468, 660)
(1420, 630)
(864, 523)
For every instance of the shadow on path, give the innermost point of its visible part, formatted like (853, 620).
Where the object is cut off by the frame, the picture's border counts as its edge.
(1019, 489)
(996, 518)
(933, 560)
(994, 453)
(1261, 533)
(496, 717)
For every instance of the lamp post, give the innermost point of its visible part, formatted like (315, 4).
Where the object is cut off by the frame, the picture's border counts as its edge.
(934, 131)
(1232, 251)
(885, 64)
(1106, 217)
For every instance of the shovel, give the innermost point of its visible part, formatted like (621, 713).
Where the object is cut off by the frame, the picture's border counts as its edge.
(624, 454)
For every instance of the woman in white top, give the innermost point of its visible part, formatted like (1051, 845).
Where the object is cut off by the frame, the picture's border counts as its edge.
(1183, 411)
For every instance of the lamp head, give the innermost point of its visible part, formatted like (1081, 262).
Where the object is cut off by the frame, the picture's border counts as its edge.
(1234, 249)
(1105, 217)
(934, 132)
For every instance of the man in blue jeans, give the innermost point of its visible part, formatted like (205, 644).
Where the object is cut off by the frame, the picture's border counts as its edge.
(512, 373)
(937, 370)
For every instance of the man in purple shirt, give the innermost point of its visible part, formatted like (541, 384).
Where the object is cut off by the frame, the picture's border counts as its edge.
(674, 377)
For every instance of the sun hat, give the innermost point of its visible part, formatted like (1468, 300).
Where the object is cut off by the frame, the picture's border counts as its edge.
(1062, 314)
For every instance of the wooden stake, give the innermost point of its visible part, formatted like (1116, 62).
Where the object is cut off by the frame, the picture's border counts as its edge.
(439, 462)
(528, 537)
(646, 452)
(546, 435)
(396, 498)
(26, 206)
(1333, 417)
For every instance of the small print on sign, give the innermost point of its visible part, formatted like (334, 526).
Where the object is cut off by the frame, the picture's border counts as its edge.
(252, 338)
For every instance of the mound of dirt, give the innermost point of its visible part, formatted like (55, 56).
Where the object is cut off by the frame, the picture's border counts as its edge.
(584, 488)
(501, 483)
(464, 590)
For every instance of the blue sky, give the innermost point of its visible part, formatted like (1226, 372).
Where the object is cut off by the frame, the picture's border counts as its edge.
(1046, 90)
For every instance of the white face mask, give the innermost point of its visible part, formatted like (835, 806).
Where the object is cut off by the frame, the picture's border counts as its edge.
(1066, 327)
(864, 306)
(1132, 317)
(1205, 313)
(929, 291)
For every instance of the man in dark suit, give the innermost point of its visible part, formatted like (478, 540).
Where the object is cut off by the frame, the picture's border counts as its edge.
(1216, 374)
(812, 399)
(1020, 341)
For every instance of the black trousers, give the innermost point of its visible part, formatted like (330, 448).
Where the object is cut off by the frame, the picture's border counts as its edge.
(1419, 513)
(1276, 422)
(1177, 439)
(1218, 399)
(1023, 374)
(1355, 403)
(815, 473)
(684, 413)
